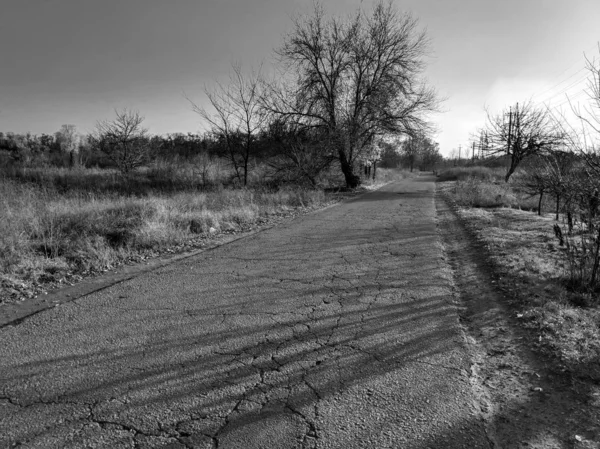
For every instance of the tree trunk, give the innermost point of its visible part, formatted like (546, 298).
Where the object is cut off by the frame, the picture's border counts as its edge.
(374, 169)
(540, 203)
(570, 221)
(514, 162)
(352, 180)
(246, 170)
(557, 206)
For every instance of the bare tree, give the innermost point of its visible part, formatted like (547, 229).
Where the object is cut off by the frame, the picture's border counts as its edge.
(298, 151)
(521, 132)
(356, 80)
(124, 140)
(586, 141)
(237, 117)
(554, 173)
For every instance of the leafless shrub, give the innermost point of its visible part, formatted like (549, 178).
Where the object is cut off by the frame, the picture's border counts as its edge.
(124, 140)
(581, 237)
(236, 118)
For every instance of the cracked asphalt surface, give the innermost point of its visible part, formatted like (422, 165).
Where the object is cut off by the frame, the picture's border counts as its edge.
(335, 330)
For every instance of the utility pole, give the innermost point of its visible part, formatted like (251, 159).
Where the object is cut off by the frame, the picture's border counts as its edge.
(508, 142)
(509, 137)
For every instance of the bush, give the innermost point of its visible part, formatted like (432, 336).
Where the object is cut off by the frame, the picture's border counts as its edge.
(473, 192)
(464, 173)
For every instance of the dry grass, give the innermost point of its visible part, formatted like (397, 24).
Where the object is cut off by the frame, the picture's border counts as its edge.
(532, 271)
(464, 173)
(472, 187)
(47, 235)
(199, 173)
(58, 225)
(386, 175)
(473, 192)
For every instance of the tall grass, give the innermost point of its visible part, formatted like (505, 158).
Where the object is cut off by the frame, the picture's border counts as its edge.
(485, 187)
(60, 222)
(46, 232)
(200, 173)
(480, 187)
(385, 175)
(463, 173)
(474, 192)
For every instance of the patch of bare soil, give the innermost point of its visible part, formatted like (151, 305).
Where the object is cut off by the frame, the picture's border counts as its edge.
(524, 399)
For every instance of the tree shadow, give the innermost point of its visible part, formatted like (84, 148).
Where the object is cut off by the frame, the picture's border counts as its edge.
(358, 348)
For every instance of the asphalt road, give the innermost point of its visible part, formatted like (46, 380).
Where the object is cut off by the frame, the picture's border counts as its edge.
(336, 330)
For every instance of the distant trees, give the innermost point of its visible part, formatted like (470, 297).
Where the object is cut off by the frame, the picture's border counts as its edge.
(431, 156)
(411, 150)
(68, 141)
(390, 154)
(348, 87)
(124, 140)
(355, 80)
(420, 150)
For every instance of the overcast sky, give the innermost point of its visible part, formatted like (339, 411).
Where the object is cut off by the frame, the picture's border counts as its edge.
(75, 61)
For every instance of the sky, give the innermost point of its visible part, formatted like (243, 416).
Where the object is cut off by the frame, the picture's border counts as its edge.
(76, 61)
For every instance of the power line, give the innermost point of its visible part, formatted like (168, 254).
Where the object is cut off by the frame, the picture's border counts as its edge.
(558, 84)
(566, 88)
(568, 100)
(565, 71)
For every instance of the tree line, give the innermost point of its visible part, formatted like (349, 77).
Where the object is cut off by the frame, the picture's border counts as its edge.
(348, 94)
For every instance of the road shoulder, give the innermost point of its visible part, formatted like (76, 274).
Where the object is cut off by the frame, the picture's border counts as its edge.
(523, 402)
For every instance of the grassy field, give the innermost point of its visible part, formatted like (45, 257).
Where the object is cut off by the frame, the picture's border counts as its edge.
(59, 225)
(532, 269)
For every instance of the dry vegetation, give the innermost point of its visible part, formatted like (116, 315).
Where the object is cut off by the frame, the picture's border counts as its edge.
(531, 267)
(59, 225)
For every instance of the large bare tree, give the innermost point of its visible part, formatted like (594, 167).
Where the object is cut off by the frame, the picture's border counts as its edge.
(235, 117)
(356, 80)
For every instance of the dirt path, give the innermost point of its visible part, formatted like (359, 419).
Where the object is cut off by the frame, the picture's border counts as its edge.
(336, 330)
(526, 404)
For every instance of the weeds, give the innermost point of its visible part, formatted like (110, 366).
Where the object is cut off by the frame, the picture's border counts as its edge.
(473, 192)
(57, 222)
(465, 173)
(556, 286)
(46, 233)
(530, 270)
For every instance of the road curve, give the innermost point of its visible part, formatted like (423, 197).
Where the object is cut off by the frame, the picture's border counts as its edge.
(335, 330)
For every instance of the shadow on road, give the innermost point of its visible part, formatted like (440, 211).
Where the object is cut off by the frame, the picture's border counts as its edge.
(273, 336)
